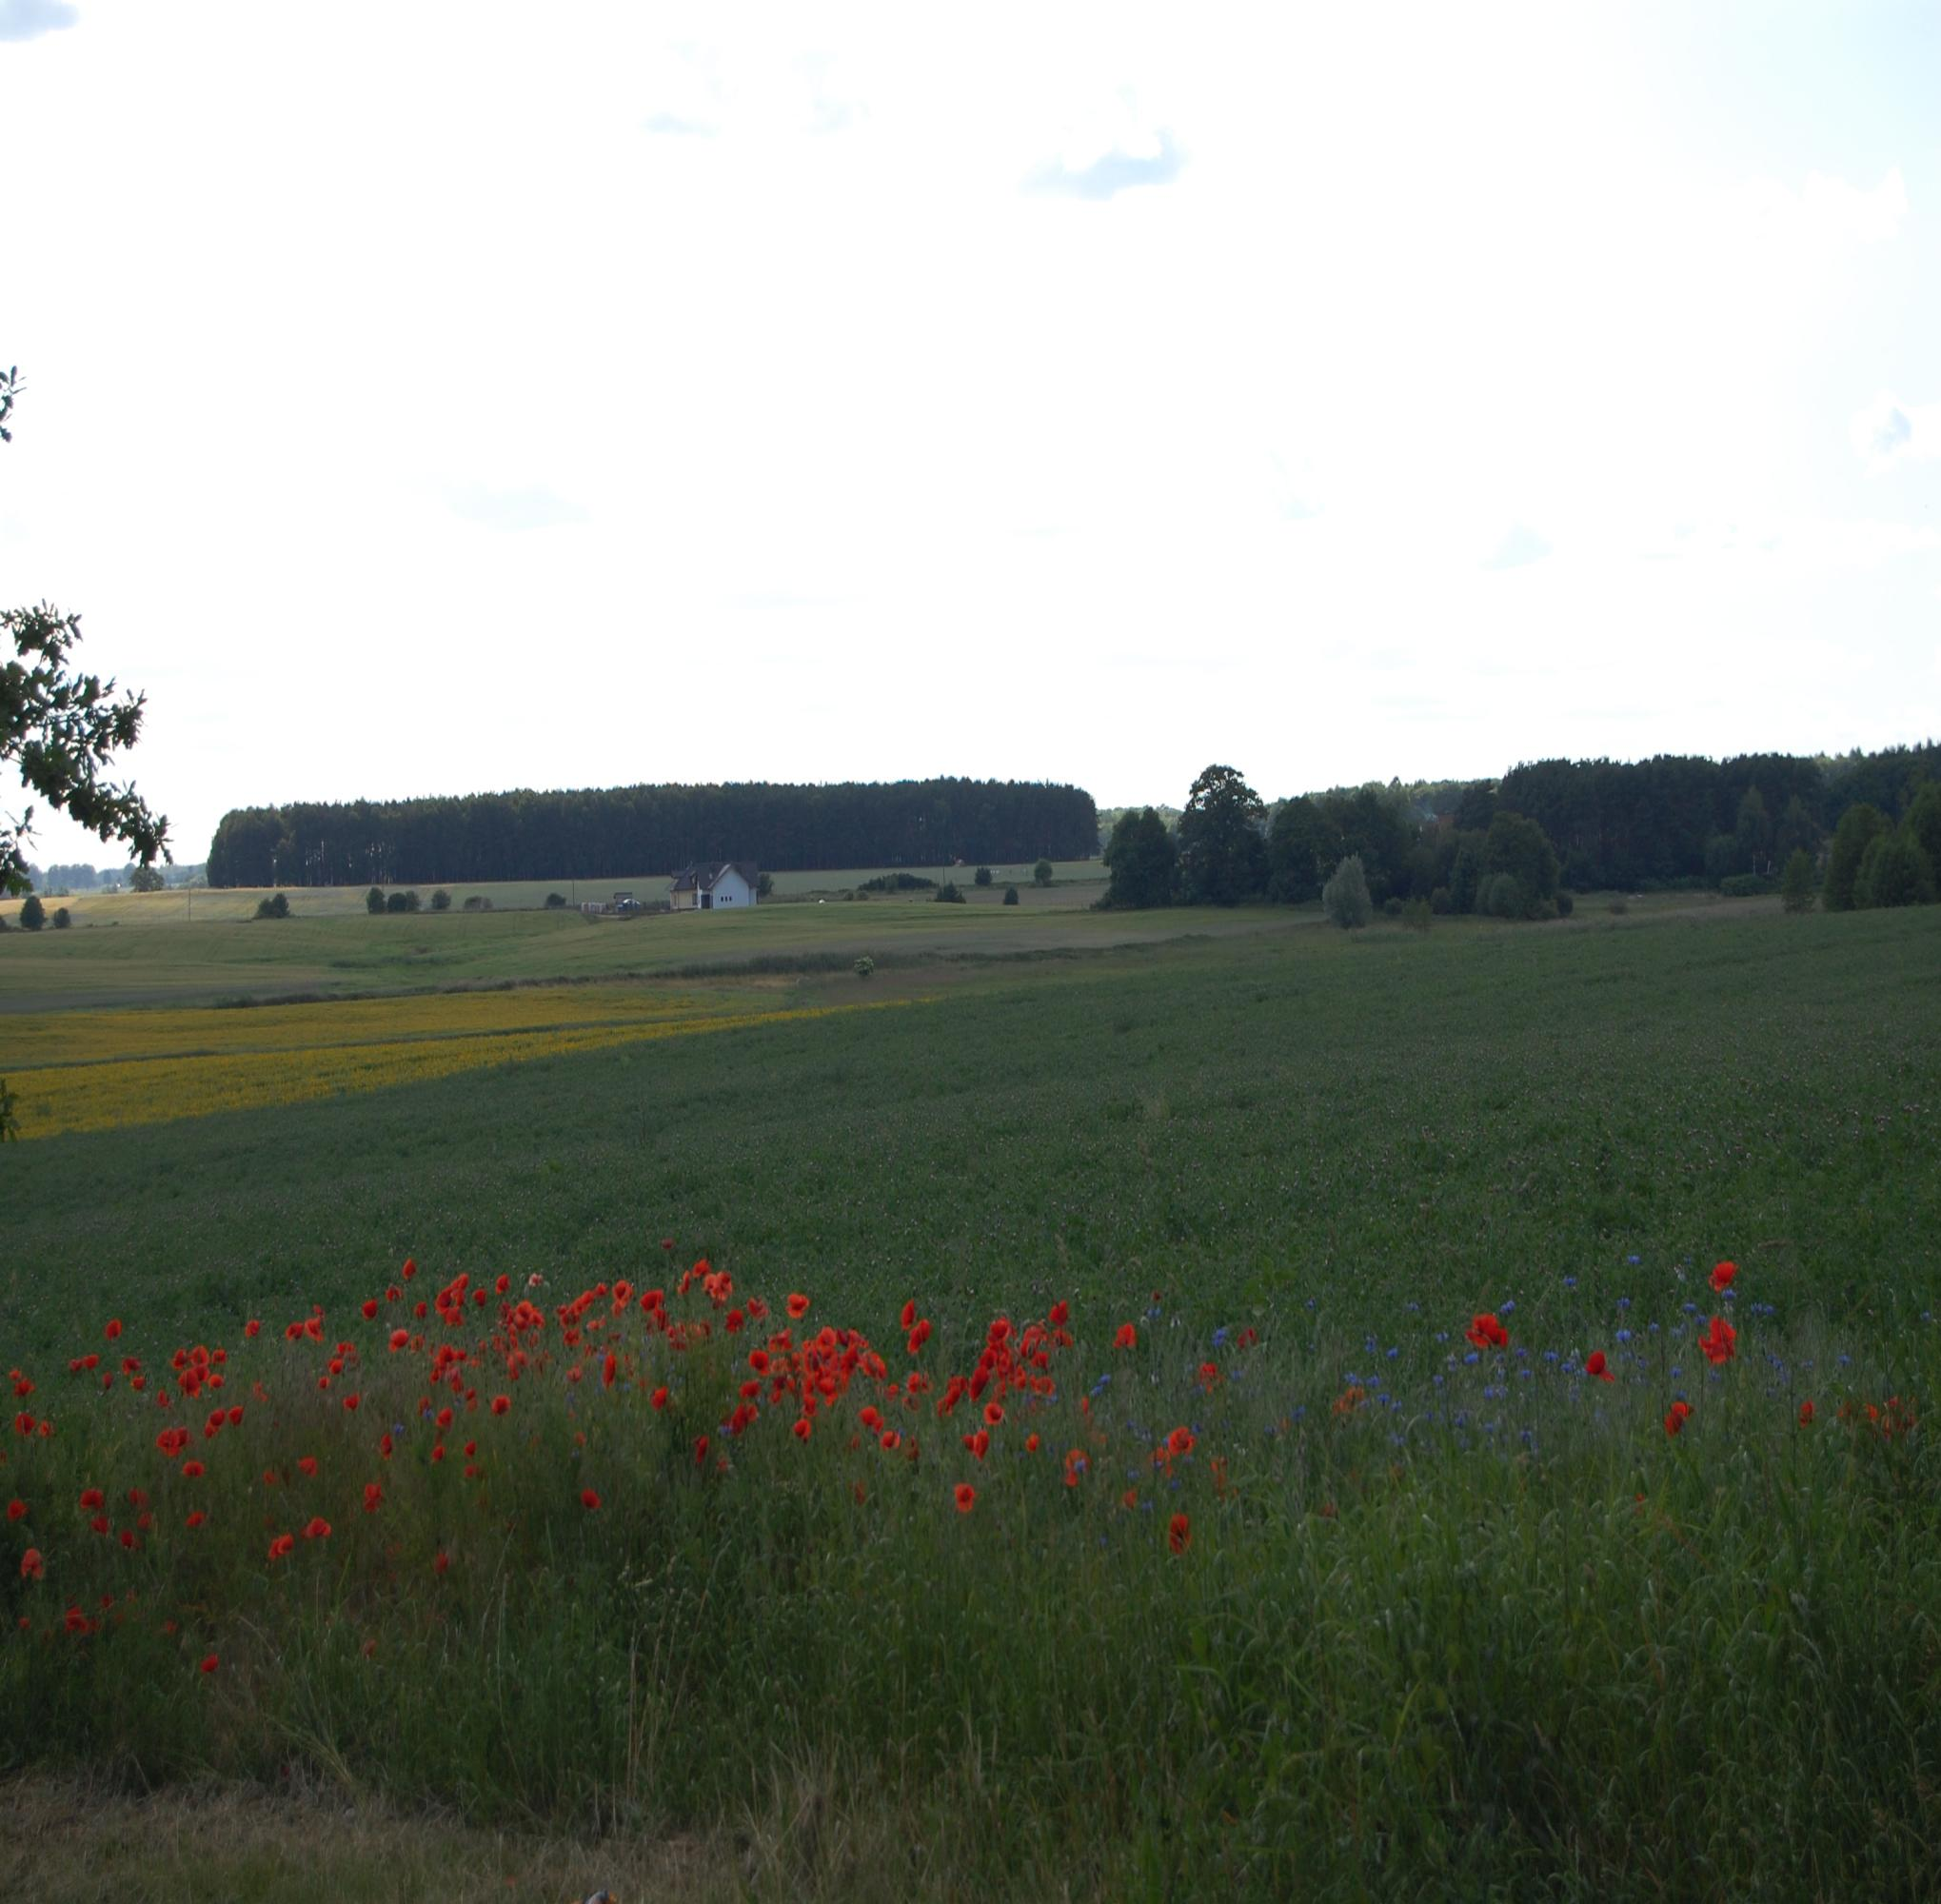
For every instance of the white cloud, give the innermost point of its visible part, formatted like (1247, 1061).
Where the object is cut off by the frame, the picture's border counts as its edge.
(28, 19)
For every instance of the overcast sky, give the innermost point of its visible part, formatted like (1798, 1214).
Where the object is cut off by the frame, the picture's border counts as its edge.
(431, 398)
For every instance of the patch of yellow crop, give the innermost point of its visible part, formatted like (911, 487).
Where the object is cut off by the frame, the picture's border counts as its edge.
(105, 1095)
(45, 1040)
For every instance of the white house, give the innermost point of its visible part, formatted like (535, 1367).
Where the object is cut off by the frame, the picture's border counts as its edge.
(702, 888)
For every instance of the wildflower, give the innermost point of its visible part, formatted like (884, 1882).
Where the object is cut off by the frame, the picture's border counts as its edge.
(1485, 1332)
(1127, 1337)
(798, 1308)
(16, 1509)
(501, 1403)
(370, 1308)
(196, 1519)
(1031, 1445)
(90, 1499)
(1805, 1414)
(1679, 1413)
(32, 1565)
(800, 1429)
(908, 1318)
(1719, 1341)
(966, 1497)
(919, 1336)
(252, 1328)
(1209, 1375)
(112, 1330)
(588, 1499)
(1594, 1365)
(399, 1338)
(1179, 1533)
(317, 1529)
(1722, 1274)
(891, 1441)
(307, 1464)
(282, 1544)
(373, 1496)
(609, 1367)
(993, 1413)
(192, 1471)
(660, 1399)
(211, 1663)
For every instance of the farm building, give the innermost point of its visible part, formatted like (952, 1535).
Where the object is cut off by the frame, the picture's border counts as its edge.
(702, 888)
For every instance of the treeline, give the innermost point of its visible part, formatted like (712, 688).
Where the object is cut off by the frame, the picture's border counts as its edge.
(1517, 847)
(601, 833)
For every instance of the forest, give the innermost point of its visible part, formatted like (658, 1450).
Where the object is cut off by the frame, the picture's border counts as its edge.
(598, 833)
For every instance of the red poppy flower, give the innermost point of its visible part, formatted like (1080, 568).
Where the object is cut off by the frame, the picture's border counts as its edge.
(32, 1565)
(112, 1330)
(908, 1318)
(800, 1429)
(660, 1399)
(1127, 1337)
(891, 1441)
(1805, 1414)
(994, 1412)
(370, 1308)
(588, 1499)
(307, 1464)
(192, 1471)
(1031, 1445)
(211, 1663)
(1722, 1274)
(410, 1269)
(252, 1328)
(501, 1403)
(439, 1562)
(798, 1308)
(1486, 1332)
(1594, 1365)
(373, 1496)
(399, 1338)
(196, 1519)
(284, 1543)
(1679, 1413)
(317, 1529)
(965, 1497)
(1720, 1342)
(1179, 1533)
(90, 1499)
(16, 1509)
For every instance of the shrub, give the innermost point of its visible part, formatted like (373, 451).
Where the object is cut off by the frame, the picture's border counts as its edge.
(476, 903)
(1859, 828)
(1894, 871)
(1010, 895)
(864, 966)
(441, 901)
(63, 919)
(402, 902)
(374, 900)
(1565, 903)
(1744, 886)
(947, 894)
(33, 915)
(1040, 874)
(147, 879)
(1415, 915)
(555, 901)
(1391, 906)
(896, 883)
(1618, 908)
(1440, 902)
(1502, 897)
(1345, 898)
(1796, 883)
(273, 906)
(982, 877)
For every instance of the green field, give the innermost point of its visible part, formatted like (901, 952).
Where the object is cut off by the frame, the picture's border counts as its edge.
(1445, 1627)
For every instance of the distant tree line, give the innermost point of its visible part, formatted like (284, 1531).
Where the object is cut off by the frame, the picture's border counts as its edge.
(1517, 847)
(595, 834)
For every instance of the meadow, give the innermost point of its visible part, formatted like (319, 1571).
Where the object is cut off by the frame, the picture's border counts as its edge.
(1309, 1551)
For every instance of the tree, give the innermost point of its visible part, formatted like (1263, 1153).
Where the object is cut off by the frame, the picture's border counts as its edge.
(1519, 848)
(374, 900)
(1894, 871)
(1302, 844)
(1141, 860)
(1797, 832)
(1922, 824)
(1345, 898)
(1040, 874)
(1796, 883)
(147, 879)
(1754, 832)
(273, 906)
(982, 877)
(441, 901)
(1859, 826)
(1010, 895)
(1223, 857)
(63, 919)
(33, 915)
(60, 729)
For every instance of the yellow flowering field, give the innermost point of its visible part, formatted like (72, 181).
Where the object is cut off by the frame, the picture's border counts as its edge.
(101, 1070)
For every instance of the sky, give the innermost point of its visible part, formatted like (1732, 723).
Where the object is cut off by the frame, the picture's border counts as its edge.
(429, 398)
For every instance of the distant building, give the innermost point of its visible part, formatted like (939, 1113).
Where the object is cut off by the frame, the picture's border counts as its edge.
(702, 888)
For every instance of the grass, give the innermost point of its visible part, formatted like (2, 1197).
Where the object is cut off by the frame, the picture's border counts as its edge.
(1487, 1630)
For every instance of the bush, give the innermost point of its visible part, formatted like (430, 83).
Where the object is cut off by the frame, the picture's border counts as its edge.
(982, 877)
(556, 901)
(1415, 915)
(441, 901)
(1040, 874)
(947, 894)
(1010, 895)
(374, 900)
(898, 882)
(63, 919)
(147, 879)
(1502, 897)
(1441, 902)
(1618, 908)
(476, 903)
(1345, 898)
(1744, 886)
(1565, 903)
(1894, 871)
(273, 906)
(402, 902)
(1796, 883)
(33, 915)
(864, 966)
(1391, 906)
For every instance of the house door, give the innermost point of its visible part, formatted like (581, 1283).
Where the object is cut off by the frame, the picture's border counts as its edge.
(707, 901)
